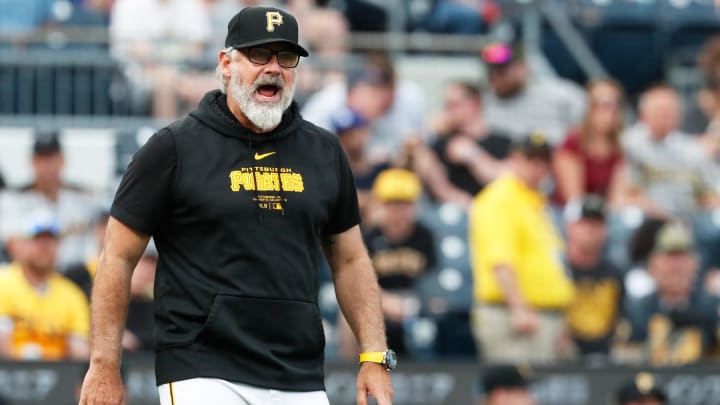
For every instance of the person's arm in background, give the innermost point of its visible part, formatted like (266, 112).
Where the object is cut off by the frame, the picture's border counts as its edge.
(424, 162)
(569, 174)
(627, 193)
(358, 294)
(524, 318)
(122, 249)
(483, 166)
(492, 238)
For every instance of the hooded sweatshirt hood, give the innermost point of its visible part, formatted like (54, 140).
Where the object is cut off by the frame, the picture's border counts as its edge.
(214, 112)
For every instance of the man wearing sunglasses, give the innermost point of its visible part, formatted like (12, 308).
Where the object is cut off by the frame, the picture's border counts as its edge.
(240, 196)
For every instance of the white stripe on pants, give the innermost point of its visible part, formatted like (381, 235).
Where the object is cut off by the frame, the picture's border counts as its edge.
(216, 391)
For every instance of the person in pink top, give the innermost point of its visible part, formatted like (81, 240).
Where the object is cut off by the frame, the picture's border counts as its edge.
(588, 160)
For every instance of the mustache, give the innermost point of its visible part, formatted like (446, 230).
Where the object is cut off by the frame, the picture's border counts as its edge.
(269, 81)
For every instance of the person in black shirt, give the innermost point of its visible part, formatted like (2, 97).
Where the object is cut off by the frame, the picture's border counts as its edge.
(467, 155)
(678, 323)
(401, 249)
(596, 309)
(239, 197)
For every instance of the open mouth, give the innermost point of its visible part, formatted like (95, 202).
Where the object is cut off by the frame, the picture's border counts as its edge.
(268, 92)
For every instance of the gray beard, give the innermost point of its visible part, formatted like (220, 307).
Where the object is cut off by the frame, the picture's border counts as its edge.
(265, 116)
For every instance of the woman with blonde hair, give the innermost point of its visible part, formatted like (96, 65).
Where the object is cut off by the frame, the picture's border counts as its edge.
(588, 160)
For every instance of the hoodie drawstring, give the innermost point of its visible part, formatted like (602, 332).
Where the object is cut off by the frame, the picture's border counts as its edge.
(256, 195)
(280, 183)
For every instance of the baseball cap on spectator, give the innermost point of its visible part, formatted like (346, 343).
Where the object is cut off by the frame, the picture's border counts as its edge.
(397, 185)
(254, 26)
(505, 376)
(501, 54)
(590, 206)
(534, 146)
(643, 386)
(46, 142)
(346, 120)
(673, 237)
(36, 223)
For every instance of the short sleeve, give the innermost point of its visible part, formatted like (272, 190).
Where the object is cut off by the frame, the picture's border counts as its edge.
(142, 197)
(571, 143)
(345, 213)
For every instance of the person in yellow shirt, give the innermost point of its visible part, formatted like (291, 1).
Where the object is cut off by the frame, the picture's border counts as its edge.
(520, 284)
(43, 316)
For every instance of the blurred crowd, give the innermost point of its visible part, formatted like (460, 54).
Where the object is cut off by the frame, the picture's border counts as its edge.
(589, 221)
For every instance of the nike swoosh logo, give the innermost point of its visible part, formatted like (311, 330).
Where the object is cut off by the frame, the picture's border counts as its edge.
(259, 156)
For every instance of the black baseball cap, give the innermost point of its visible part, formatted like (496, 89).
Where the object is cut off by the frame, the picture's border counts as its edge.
(534, 145)
(643, 386)
(505, 376)
(254, 26)
(46, 142)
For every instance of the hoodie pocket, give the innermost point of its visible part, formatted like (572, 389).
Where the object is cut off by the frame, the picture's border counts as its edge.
(264, 328)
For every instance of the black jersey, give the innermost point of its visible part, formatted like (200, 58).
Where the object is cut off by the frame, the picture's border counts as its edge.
(238, 220)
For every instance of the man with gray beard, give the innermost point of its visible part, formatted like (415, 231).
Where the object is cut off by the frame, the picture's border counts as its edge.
(240, 196)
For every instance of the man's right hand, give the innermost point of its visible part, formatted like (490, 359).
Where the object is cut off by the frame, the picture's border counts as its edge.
(102, 386)
(524, 320)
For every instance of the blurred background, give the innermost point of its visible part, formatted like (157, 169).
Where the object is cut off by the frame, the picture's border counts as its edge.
(607, 111)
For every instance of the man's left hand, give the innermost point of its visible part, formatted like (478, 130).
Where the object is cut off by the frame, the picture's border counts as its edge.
(373, 380)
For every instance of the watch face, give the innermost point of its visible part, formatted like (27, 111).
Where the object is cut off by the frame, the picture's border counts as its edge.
(390, 359)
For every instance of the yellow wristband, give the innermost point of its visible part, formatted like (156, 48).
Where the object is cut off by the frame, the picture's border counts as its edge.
(372, 357)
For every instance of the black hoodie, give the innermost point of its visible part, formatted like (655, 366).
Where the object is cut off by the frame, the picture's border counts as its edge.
(236, 284)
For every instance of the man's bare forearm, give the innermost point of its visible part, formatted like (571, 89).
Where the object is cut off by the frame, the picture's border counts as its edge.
(358, 294)
(508, 285)
(108, 309)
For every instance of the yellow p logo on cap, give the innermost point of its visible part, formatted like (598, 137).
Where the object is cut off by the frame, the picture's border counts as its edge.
(273, 18)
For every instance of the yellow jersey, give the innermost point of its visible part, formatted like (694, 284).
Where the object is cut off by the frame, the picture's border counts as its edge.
(510, 225)
(41, 323)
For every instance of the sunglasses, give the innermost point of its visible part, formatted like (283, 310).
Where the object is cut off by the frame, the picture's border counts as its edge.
(262, 56)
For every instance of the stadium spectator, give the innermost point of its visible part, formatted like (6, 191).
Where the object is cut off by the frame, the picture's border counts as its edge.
(76, 208)
(394, 107)
(21, 19)
(467, 154)
(643, 389)
(401, 249)
(456, 17)
(521, 287)
(667, 174)
(678, 322)
(153, 52)
(43, 316)
(594, 313)
(506, 385)
(519, 104)
(588, 160)
(708, 65)
(354, 133)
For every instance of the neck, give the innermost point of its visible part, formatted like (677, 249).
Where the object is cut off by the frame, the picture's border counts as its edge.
(475, 128)
(673, 298)
(242, 118)
(582, 258)
(50, 191)
(398, 232)
(37, 278)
